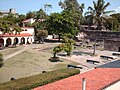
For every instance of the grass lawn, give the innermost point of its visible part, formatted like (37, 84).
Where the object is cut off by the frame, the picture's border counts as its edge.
(8, 51)
(30, 62)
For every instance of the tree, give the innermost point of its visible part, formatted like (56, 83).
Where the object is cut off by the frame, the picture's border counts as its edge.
(57, 49)
(41, 34)
(71, 5)
(97, 12)
(20, 19)
(47, 6)
(114, 21)
(41, 14)
(61, 24)
(30, 14)
(9, 27)
(74, 9)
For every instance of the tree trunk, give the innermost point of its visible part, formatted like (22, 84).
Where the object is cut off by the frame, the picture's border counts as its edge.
(54, 55)
(59, 37)
(94, 47)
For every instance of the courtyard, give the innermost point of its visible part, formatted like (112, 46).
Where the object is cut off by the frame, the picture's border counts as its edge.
(28, 60)
(32, 60)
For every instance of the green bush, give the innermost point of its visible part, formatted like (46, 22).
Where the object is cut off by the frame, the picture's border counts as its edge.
(68, 48)
(38, 80)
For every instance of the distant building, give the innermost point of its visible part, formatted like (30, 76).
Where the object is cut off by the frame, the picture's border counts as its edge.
(31, 21)
(26, 36)
(6, 12)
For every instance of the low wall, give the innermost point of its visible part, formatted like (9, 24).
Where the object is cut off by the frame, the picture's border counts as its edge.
(112, 45)
(101, 34)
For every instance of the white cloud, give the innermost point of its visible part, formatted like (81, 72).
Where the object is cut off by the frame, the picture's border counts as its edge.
(117, 10)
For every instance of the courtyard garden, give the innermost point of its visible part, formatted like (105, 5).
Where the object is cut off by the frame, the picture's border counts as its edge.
(30, 62)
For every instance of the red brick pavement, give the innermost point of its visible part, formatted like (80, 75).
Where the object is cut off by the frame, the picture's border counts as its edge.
(95, 80)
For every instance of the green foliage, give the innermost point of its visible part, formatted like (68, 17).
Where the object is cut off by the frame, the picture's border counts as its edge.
(1, 60)
(71, 5)
(38, 80)
(68, 48)
(41, 34)
(74, 10)
(61, 24)
(30, 15)
(97, 12)
(114, 22)
(68, 21)
(58, 49)
(65, 39)
(9, 23)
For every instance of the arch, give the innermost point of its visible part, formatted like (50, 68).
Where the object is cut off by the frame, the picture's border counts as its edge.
(28, 40)
(2, 41)
(16, 40)
(8, 41)
(22, 40)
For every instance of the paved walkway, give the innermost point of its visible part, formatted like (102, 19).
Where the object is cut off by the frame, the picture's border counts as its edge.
(81, 59)
(26, 47)
(17, 52)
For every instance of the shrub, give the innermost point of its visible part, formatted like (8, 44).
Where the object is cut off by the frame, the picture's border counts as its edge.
(68, 48)
(38, 80)
(58, 49)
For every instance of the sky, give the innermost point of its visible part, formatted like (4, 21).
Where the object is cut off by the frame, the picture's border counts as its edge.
(24, 6)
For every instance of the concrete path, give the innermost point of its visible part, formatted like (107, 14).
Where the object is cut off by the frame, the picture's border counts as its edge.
(26, 47)
(15, 53)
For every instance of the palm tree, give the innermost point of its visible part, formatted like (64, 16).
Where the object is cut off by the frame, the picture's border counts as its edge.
(97, 12)
(47, 6)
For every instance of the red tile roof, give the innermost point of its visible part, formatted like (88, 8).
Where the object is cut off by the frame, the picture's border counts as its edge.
(27, 27)
(15, 35)
(95, 80)
(27, 20)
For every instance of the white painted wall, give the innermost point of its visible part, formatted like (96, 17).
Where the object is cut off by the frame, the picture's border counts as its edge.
(29, 30)
(49, 37)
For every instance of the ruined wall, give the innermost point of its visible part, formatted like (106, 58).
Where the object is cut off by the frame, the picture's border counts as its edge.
(111, 39)
(111, 45)
(101, 34)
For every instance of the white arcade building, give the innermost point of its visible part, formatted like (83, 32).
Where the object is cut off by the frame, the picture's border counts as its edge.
(26, 36)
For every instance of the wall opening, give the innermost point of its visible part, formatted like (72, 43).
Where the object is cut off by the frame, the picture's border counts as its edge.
(22, 40)
(118, 49)
(16, 40)
(1, 41)
(8, 42)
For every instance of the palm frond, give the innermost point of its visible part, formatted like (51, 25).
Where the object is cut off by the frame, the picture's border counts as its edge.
(90, 8)
(105, 6)
(108, 12)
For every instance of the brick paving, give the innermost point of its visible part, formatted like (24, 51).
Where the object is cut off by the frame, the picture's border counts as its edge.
(95, 80)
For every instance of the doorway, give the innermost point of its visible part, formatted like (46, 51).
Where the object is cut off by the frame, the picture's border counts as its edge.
(118, 49)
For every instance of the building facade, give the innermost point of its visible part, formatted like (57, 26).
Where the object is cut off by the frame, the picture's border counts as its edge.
(7, 12)
(26, 36)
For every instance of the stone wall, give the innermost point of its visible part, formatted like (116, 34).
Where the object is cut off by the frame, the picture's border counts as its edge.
(112, 45)
(111, 39)
(101, 34)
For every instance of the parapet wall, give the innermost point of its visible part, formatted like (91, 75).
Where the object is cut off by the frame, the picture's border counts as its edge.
(101, 35)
